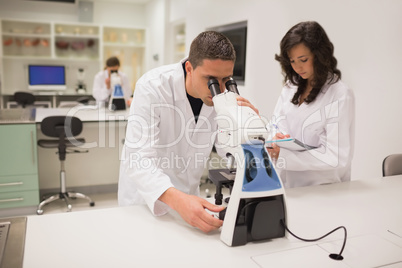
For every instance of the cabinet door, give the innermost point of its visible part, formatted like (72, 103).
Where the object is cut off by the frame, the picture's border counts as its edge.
(18, 150)
(19, 199)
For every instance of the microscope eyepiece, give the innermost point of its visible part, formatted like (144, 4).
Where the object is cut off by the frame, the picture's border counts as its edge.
(232, 86)
(213, 86)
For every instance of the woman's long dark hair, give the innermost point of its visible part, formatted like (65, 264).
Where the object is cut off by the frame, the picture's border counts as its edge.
(313, 36)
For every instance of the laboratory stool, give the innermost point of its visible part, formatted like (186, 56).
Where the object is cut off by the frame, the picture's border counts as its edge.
(65, 128)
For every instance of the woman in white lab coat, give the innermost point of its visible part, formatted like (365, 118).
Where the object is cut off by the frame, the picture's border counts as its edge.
(315, 107)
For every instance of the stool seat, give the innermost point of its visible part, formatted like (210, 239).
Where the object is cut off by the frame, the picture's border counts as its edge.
(55, 143)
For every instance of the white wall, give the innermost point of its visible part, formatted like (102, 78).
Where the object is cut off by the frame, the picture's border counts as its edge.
(156, 20)
(112, 13)
(176, 9)
(119, 14)
(368, 41)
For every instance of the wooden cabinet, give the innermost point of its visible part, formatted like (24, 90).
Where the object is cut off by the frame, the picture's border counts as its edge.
(19, 185)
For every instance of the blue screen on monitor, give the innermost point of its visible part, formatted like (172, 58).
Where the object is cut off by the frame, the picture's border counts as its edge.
(46, 75)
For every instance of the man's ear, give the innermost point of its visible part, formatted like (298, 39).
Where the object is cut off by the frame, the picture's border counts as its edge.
(189, 67)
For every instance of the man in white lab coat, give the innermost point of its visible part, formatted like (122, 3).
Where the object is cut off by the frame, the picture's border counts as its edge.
(171, 132)
(102, 90)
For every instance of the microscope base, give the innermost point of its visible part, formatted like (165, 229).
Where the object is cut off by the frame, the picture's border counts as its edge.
(257, 218)
(117, 104)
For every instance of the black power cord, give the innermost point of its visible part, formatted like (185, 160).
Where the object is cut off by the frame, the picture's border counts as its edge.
(333, 256)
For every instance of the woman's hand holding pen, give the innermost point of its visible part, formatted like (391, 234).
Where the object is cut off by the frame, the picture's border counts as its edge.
(281, 136)
(275, 149)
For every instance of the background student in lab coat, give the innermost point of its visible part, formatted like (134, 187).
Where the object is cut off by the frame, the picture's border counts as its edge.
(171, 132)
(315, 107)
(102, 90)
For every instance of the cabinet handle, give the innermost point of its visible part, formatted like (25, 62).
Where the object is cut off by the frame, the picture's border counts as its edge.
(11, 200)
(32, 147)
(11, 184)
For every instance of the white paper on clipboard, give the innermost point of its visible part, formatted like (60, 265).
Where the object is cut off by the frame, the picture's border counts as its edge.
(291, 144)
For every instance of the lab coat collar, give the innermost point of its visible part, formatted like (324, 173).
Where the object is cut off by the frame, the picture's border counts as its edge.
(179, 83)
(324, 89)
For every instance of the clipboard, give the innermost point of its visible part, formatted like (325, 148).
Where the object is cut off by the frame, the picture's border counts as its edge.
(291, 144)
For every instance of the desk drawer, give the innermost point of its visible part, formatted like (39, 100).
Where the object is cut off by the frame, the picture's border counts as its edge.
(19, 199)
(18, 183)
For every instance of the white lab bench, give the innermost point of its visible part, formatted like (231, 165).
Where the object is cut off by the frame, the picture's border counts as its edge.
(131, 237)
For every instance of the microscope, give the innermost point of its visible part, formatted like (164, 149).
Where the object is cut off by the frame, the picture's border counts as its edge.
(256, 204)
(81, 87)
(117, 101)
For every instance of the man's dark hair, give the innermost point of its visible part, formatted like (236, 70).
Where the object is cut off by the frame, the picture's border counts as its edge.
(112, 61)
(210, 45)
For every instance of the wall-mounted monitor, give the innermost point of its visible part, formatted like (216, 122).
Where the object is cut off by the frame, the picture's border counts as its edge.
(46, 77)
(237, 34)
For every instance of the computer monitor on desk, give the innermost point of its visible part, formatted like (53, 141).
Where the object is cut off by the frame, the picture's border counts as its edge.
(46, 77)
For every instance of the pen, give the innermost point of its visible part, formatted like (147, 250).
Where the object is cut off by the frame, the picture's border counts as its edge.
(277, 131)
(277, 128)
